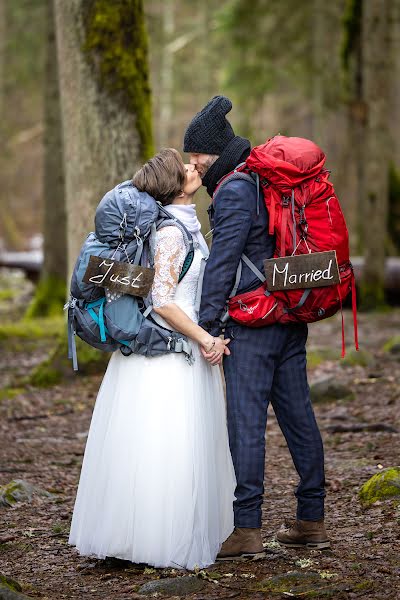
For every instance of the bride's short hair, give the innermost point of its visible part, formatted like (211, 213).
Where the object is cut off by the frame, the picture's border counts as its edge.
(163, 176)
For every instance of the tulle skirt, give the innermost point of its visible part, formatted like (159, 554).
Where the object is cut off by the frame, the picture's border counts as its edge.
(157, 480)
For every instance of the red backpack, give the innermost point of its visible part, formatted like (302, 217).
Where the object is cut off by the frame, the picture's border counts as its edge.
(305, 216)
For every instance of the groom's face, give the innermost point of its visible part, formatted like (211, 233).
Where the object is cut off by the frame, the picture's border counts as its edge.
(202, 162)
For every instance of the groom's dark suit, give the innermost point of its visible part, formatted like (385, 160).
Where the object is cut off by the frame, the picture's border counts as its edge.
(266, 364)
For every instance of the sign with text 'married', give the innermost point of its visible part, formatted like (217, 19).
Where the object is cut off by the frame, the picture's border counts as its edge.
(317, 269)
(119, 276)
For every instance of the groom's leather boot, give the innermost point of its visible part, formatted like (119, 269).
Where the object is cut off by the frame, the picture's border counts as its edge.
(242, 543)
(309, 534)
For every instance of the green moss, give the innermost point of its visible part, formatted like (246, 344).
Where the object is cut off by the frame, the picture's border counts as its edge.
(32, 329)
(117, 47)
(372, 296)
(351, 29)
(9, 583)
(9, 393)
(8, 294)
(320, 355)
(382, 486)
(393, 345)
(49, 298)
(357, 357)
(309, 584)
(393, 222)
(367, 584)
(58, 366)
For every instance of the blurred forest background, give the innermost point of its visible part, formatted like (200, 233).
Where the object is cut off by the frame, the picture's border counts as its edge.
(327, 71)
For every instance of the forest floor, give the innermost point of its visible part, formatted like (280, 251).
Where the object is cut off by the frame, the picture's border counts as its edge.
(42, 439)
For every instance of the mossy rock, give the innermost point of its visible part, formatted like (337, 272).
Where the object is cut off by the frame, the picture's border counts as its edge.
(326, 389)
(392, 346)
(8, 594)
(382, 486)
(173, 586)
(361, 358)
(19, 490)
(309, 584)
(10, 583)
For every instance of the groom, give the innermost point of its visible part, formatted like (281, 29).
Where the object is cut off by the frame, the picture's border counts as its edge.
(266, 364)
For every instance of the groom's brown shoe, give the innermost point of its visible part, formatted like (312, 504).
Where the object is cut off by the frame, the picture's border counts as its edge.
(242, 543)
(309, 534)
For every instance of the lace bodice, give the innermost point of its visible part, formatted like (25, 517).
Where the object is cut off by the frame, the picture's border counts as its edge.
(170, 253)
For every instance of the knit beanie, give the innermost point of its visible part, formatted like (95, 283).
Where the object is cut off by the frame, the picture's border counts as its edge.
(209, 132)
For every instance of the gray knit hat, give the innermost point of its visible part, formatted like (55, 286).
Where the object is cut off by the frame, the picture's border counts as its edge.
(209, 132)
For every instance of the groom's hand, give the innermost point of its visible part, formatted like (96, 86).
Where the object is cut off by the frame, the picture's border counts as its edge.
(214, 357)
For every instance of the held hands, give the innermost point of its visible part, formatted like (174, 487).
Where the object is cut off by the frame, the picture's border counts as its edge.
(215, 349)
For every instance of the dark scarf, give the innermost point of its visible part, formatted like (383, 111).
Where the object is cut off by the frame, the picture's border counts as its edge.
(233, 154)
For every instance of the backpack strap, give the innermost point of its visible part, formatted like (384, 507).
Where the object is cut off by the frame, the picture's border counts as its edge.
(238, 173)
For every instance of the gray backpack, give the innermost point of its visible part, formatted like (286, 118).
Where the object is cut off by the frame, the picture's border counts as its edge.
(125, 226)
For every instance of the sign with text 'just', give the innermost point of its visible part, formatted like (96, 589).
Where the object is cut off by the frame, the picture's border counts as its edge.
(119, 276)
(317, 269)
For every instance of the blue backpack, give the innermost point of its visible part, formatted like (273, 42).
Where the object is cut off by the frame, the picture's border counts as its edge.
(126, 222)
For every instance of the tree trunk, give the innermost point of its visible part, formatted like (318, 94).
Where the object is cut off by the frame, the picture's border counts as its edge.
(105, 101)
(376, 78)
(50, 293)
(166, 74)
(2, 43)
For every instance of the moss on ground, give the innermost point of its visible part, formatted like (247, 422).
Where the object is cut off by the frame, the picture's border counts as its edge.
(116, 44)
(48, 300)
(10, 392)
(382, 486)
(363, 358)
(32, 328)
(319, 355)
(58, 366)
(392, 345)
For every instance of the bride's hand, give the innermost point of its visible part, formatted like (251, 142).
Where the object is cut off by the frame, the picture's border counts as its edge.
(219, 347)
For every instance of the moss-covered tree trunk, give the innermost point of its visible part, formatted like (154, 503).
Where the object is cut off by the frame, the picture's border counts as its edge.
(50, 293)
(105, 100)
(376, 81)
(106, 122)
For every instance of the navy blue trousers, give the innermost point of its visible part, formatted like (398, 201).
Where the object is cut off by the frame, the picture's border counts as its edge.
(269, 365)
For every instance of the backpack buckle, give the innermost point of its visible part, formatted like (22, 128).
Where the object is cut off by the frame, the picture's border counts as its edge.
(285, 201)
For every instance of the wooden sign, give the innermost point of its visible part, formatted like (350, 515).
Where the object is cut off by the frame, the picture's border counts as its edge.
(317, 269)
(119, 276)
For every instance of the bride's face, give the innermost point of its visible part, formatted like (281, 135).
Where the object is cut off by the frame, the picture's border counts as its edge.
(193, 180)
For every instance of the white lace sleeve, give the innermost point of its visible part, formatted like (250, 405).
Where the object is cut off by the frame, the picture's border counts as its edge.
(170, 253)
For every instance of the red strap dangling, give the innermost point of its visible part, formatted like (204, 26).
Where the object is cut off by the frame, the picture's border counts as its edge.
(354, 307)
(341, 312)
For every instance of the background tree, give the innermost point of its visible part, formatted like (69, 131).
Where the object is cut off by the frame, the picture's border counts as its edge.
(105, 99)
(50, 293)
(376, 82)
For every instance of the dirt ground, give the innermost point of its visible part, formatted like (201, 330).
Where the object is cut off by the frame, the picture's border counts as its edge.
(42, 440)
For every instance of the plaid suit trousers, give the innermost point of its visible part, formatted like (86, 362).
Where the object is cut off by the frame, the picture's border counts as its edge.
(269, 365)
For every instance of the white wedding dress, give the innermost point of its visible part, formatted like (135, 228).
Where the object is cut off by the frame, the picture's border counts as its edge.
(157, 480)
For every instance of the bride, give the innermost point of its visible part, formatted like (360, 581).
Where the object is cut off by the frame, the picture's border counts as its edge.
(157, 479)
